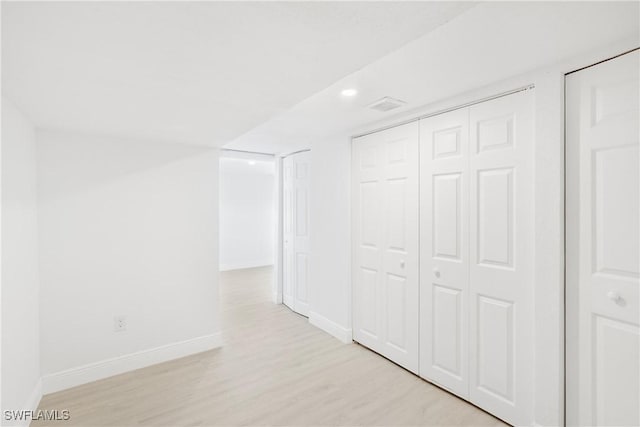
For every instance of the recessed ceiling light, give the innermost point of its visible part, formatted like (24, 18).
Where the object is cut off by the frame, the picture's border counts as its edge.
(349, 92)
(252, 162)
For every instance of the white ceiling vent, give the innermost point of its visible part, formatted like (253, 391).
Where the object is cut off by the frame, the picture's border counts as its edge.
(386, 104)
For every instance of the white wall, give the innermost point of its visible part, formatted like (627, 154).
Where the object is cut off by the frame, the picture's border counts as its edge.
(127, 228)
(20, 324)
(247, 212)
(330, 252)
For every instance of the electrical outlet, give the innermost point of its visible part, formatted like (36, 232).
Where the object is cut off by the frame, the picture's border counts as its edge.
(119, 323)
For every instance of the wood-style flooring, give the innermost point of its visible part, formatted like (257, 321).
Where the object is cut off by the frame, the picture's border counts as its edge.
(274, 369)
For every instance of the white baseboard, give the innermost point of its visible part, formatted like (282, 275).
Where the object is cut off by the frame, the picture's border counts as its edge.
(239, 266)
(276, 297)
(128, 362)
(343, 334)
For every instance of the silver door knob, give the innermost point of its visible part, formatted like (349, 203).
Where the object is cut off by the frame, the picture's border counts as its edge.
(614, 296)
(436, 272)
(401, 263)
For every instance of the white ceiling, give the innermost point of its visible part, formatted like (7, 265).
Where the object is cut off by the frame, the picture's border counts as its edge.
(489, 43)
(195, 72)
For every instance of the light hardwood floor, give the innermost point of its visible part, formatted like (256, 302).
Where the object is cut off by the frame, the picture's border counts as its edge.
(274, 369)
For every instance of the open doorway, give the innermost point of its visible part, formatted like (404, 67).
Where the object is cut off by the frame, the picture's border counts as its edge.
(264, 224)
(248, 210)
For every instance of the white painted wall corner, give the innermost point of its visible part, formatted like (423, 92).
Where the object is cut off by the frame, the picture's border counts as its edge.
(31, 404)
(276, 297)
(343, 334)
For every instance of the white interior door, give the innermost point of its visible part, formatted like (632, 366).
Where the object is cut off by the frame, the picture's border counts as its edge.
(296, 174)
(603, 256)
(385, 251)
(444, 250)
(301, 171)
(287, 229)
(501, 257)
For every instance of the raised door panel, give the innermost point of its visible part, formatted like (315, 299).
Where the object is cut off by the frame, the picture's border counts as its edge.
(495, 218)
(447, 325)
(494, 133)
(444, 255)
(615, 211)
(369, 214)
(366, 313)
(447, 220)
(603, 240)
(302, 277)
(396, 204)
(501, 253)
(447, 142)
(301, 225)
(495, 343)
(616, 372)
(396, 307)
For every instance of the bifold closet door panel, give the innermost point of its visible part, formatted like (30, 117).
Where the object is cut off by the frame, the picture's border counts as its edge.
(385, 243)
(501, 257)
(444, 250)
(603, 243)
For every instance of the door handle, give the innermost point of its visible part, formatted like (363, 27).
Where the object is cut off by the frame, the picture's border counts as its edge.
(615, 297)
(436, 272)
(401, 263)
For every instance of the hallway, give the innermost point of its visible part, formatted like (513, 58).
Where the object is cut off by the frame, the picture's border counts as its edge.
(274, 369)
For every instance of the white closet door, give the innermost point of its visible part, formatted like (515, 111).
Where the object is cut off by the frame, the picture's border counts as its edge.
(301, 171)
(603, 244)
(501, 257)
(385, 252)
(295, 259)
(287, 228)
(444, 250)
